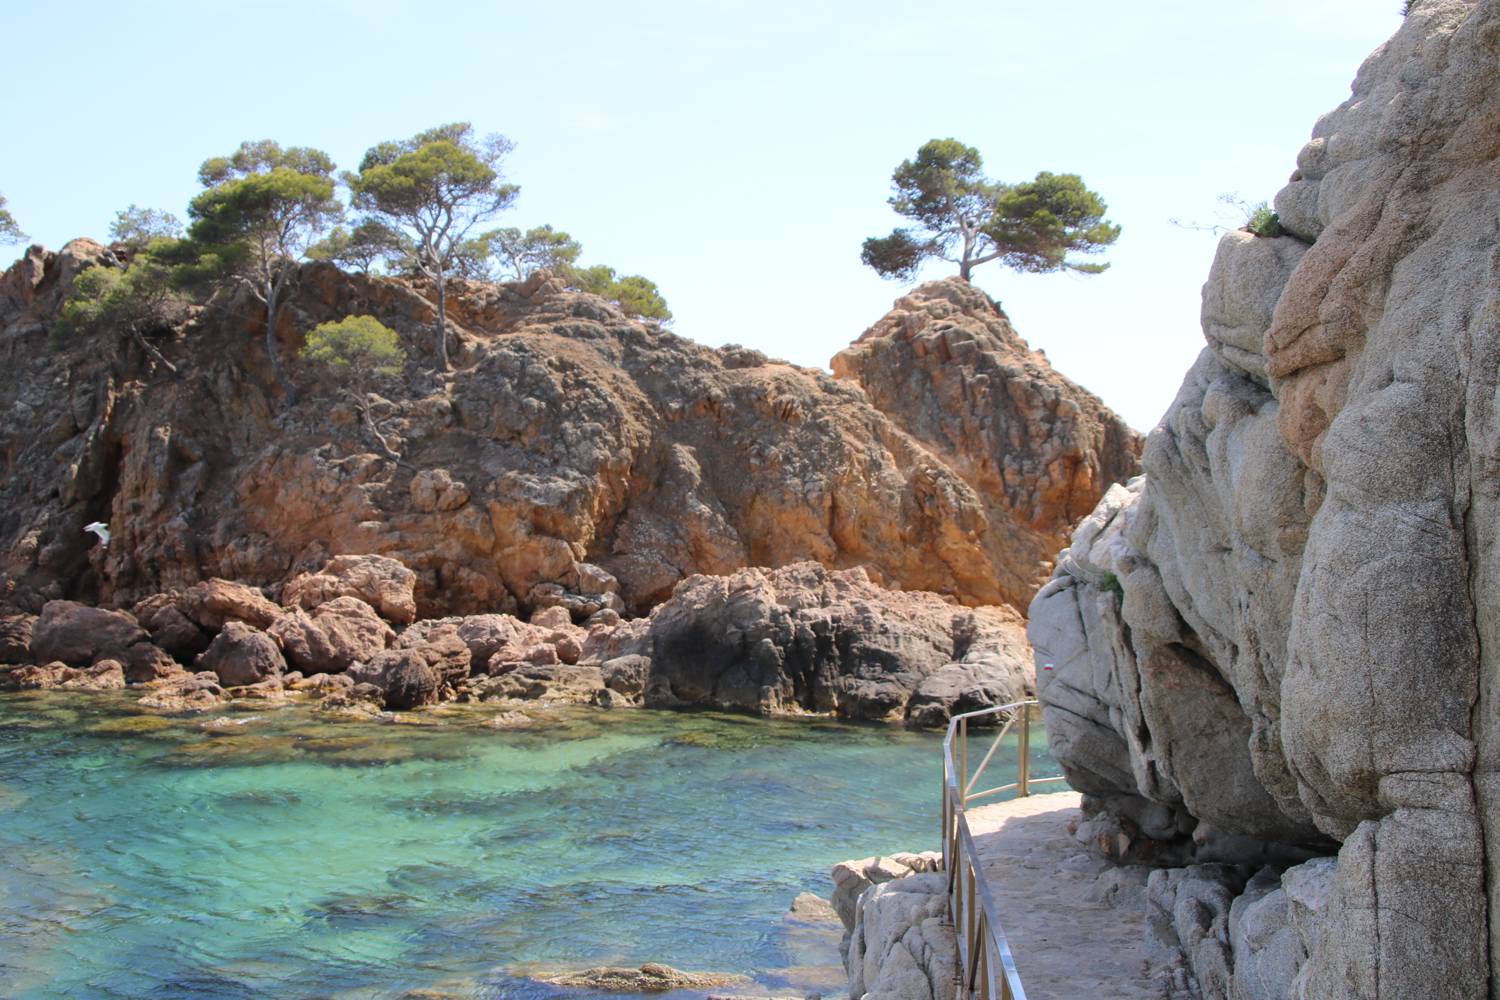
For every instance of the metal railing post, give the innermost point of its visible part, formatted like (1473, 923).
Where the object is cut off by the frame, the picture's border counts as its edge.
(963, 762)
(971, 910)
(1023, 772)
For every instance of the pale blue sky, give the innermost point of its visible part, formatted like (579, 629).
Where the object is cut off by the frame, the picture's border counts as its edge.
(735, 152)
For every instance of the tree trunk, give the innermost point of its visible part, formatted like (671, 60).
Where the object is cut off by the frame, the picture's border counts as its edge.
(363, 402)
(152, 352)
(442, 333)
(964, 267)
(273, 346)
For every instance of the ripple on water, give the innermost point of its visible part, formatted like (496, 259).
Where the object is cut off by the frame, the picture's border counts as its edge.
(298, 856)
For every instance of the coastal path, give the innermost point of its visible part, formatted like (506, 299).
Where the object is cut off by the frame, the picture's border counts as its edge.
(1075, 924)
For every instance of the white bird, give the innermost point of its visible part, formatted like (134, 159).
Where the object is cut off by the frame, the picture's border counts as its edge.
(101, 529)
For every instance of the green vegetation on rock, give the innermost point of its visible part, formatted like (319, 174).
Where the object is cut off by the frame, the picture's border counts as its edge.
(354, 354)
(137, 301)
(638, 296)
(137, 227)
(10, 232)
(261, 209)
(1263, 221)
(519, 254)
(368, 243)
(432, 190)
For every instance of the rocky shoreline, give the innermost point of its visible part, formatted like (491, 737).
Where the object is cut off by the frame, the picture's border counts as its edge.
(800, 639)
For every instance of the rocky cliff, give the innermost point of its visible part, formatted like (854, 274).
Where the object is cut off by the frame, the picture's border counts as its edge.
(1282, 640)
(573, 454)
(948, 368)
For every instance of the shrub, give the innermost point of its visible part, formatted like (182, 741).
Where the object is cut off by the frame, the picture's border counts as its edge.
(356, 350)
(1110, 584)
(135, 302)
(1263, 221)
(353, 355)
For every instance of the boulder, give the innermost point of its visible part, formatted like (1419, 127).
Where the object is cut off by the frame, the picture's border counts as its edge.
(902, 944)
(803, 637)
(381, 582)
(418, 671)
(15, 638)
(184, 692)
(212, 603)
(106, 675)
(78, 635)
(551, 616)
(444, 649)
(852, 878)
(240, 656)
(556, 682)
(170, 627)
(146, 661)
(335, 635)
(649, 978)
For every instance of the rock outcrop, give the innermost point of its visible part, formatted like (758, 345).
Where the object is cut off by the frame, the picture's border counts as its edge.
(804, 637)
(576, 458)
(898, 943)
(798, 639)
(1283, 638)
(652, 977)
(1038, 450)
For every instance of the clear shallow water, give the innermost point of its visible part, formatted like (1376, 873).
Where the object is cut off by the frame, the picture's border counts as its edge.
(293, 856)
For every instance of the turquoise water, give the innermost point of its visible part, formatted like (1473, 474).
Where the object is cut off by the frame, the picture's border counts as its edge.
(287, 855)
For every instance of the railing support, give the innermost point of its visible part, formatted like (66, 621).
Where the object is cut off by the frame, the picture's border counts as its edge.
(984, 969)
(1023, 768)
(963, 764)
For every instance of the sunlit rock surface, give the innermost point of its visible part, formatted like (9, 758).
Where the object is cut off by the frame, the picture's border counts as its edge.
(1283, 639)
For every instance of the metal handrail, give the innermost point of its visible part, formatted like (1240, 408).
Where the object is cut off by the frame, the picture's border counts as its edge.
(987, 970)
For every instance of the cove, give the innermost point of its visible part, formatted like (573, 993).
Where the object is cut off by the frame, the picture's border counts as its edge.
(277, 853)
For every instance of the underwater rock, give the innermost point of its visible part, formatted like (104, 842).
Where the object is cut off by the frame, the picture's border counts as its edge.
(649, 978)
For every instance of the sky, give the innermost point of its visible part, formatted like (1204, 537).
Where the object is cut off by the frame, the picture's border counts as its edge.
(736, 152)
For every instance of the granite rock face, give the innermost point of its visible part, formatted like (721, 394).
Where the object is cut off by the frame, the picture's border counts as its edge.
(901, 946)
(1282, 638)
(575, 458)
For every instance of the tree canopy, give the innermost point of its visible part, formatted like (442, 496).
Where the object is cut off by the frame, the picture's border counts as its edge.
(137, 227)
(360, 248)
(967, 219)
(139, 300)
(434, 189)
(261, 209)
(518, 253)
(9, 231)
(637, 295)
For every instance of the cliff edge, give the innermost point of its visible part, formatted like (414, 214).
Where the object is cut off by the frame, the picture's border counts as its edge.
(1281, 642)
(574, 451)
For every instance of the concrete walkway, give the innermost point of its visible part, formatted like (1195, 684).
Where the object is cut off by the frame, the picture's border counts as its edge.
(1076, 925)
